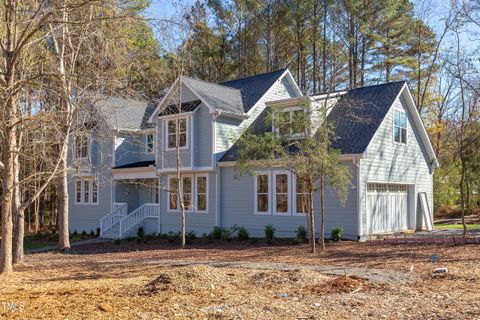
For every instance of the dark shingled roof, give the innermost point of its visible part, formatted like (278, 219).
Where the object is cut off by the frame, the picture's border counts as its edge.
(140, 164)
(253, 88)
(185, 107)
(356, 117)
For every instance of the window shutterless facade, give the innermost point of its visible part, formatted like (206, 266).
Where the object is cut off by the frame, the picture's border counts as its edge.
(262, 193)
(81, 146)
(282, 193)
(177, 133)
(86, 191)
(400, 126)
(195, 193)
(290, 122)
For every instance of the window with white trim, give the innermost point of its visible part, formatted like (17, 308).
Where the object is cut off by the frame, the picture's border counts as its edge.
(281, 195)
(173, 198)
(290, 122)
(81, 146)
(400, 126)
(262, 195)
(201, 192)
(301, 202)
(86, 191)
(177, 133)
(149, 143)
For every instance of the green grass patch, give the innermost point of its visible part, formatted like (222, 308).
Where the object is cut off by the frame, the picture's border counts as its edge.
(470, 226)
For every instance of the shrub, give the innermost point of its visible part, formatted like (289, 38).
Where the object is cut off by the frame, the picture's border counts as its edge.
(75, 233)
(98, 232)
(84, 234)
(140, 234)
(117, 241)
(173, 236)
(253, 241)
(190, 236)
(300, 235)
(216, 233)
(270, 234)
(242, 233)
(337, 234)
(92, 234)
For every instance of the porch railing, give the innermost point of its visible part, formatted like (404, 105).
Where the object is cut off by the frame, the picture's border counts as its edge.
(147, 210)
(109, 220)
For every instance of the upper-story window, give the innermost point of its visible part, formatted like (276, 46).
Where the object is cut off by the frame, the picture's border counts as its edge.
(291, 122)
(400, 126)
(81, 146)
(176, 133)
(149, 143)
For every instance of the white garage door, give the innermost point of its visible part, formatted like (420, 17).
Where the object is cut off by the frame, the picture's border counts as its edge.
(387, 207)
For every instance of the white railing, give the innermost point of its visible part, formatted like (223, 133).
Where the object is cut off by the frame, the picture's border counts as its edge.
(108, 221)
(147, 210)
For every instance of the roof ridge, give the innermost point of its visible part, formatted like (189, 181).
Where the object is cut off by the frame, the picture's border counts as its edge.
(255, 75)
(363, 87)
(213, 83)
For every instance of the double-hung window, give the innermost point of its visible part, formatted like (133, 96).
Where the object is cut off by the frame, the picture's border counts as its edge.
(149, 143)
(281, 195)
(262, 196)
(86, 191)
(173, 193)
(399, 126)
(201, 192)
(291, 123)
(301, 202)
(81, 146)
(177, 133)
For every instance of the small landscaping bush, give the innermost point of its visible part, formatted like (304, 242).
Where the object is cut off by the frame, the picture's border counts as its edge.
(117, 241)
(189, 236)
(140, 234)
(98, 232)
(242, 233)
(84, 235)
(92, 234)
(300, 235)
(270, 234)
(216, 233)
(337, 234)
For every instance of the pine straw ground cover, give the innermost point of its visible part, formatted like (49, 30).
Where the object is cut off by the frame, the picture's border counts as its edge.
(107, 281)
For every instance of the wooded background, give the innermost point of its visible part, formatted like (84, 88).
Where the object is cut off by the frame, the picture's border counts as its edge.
(55, 51)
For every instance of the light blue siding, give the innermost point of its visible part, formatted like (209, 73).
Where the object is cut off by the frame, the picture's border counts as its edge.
(386, 161)
(198, 222)
(237, 208)
(131, 147)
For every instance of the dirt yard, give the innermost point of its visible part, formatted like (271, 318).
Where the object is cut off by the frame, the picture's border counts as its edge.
(158, 280)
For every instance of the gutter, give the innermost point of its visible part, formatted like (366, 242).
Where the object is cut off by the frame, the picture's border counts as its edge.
(343, 157)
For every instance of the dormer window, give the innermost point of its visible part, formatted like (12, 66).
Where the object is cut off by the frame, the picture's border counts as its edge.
(290, 122)
(176, 133)
(81, 146)
(399, 127)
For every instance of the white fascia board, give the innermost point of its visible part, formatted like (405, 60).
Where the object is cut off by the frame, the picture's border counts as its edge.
(343, 157)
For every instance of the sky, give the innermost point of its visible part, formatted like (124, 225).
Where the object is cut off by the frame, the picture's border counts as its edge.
(431, 11)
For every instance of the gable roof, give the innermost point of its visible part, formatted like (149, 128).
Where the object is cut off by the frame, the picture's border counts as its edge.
(254, 87)
(216, 96)
(358, 114)
(356, 117)
(233, 97)
(122, 113)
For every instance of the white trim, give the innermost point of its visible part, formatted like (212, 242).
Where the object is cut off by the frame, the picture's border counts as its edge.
(201, 175)
(185, 169)
(192, 148)
(404, 113)
(269, 194)
(86, 184)
(289, 193)
(176, 115)
(177, 139)
(167, 96)
(294, 200)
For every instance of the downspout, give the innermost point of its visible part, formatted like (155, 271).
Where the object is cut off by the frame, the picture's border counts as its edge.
(216, 168)
(356, 163)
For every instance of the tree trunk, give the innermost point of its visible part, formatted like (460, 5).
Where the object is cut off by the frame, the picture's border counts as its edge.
(18, 216)
(322, 208)
(462, 197)
(63, 229)
(311, 217)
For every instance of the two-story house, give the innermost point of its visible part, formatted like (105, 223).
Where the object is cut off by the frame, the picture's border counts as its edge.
(132, 155)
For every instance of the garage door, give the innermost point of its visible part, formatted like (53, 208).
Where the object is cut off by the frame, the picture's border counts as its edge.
(387, 207)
